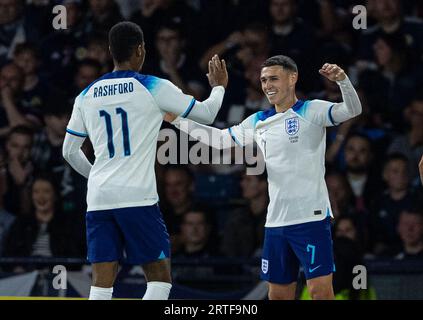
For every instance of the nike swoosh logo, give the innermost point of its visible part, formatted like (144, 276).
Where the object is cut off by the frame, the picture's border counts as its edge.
(314, 269)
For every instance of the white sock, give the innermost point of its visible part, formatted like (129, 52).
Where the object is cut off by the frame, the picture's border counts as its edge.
(157, 290)
(97, 293)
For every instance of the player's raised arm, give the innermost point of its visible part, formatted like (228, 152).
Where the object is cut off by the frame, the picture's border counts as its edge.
(75, 137)
(171, 99)
(421, 169)
(242, 134)
(351, 105)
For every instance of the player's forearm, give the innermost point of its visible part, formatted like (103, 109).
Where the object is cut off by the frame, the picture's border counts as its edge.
(206, 111)
(213, 137)
(351, 105)
(73, 154)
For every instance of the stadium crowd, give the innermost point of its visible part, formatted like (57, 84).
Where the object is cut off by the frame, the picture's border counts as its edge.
(216, 210)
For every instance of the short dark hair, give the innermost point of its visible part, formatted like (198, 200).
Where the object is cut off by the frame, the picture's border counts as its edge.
(27, 47)
(283, 61)
(20, 129)
(396, 156)
(124, 37)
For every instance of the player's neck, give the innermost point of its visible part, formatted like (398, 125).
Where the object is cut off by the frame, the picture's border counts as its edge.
(286, 104)
(125, 66)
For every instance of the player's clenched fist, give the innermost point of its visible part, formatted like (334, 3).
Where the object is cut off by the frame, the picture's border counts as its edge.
(333, 72)
(218, 75)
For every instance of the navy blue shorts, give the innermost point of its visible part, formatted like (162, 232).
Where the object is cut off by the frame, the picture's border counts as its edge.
(140, 232)
(285, 248)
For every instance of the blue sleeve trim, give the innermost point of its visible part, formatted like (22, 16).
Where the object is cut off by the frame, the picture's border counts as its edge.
(188, 111)
(330, 115)
(233, 137)
(78, 134)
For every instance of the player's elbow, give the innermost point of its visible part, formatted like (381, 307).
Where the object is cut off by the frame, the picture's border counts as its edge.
(67, 154)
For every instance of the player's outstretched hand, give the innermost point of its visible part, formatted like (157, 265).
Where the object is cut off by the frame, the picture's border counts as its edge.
(421, 169)
(169, 117)
(333, 72)
(218, 75)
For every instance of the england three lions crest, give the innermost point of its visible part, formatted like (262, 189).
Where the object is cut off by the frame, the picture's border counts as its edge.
(292, 125)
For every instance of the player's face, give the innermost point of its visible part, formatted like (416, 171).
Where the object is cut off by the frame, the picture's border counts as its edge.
(43, 195)
(19, 147)
(277, 84)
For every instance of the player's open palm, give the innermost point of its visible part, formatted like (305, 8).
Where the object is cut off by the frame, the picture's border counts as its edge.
(218, 75)
(333, 72)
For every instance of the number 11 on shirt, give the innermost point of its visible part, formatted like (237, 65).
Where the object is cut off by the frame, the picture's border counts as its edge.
(109, 129)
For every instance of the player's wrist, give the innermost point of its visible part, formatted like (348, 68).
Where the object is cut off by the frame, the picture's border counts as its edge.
(343, 81)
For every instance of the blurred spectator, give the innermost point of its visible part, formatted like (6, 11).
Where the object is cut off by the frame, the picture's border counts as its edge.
(243, 233)
(19, 168)
(196, 235)
(12, 113)
(98, 49)
(410, 229)
(35, 91)
(388, 206)
(87, 71)
(6, 218)
(154, 13)
(13, 28)
(62, 48)
(47, 155)
(47, 146)
(46, 232)
(175, 64)
(101, 16)
(340, 194)
(364, 181)
(390, 88)
(251, 45)
(293, 37)
(178, 190)
(410, 144)
(390, 19)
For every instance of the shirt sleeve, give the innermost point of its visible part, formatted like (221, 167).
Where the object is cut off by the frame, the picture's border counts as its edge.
(243, 133)
(170, 98)
(319, 112)
(76, 124)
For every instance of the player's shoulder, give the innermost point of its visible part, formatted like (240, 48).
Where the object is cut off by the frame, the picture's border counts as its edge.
(264, 114)
(152, 83)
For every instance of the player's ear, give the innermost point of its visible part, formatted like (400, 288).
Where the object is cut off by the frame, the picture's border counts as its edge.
(293, 77)
(141, 50)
